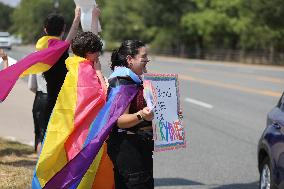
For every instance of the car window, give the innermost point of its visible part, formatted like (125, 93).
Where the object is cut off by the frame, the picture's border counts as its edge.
(4, 34)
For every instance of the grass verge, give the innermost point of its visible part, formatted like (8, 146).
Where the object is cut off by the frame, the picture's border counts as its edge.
(17, 162)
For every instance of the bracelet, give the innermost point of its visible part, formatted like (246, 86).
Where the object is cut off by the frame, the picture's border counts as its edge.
(139, 116)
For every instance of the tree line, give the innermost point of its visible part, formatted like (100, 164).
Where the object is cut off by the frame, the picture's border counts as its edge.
(189, 28)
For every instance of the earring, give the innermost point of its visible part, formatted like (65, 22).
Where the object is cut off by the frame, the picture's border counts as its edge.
(130, 65)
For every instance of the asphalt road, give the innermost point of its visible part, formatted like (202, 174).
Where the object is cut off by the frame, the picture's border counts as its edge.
(224, 107)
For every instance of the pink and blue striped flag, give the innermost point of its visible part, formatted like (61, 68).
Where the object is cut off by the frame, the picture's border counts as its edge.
(36, 62)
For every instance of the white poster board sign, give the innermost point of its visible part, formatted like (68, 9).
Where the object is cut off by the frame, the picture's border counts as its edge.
(86, 7)
(167, 125)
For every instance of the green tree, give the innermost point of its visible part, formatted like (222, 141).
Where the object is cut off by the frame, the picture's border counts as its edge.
(212, 23)
(270, 13)
(163, 19)
(66, 9)
(269, 18)
(29, 16)
(177, 26)
(236, 24)
(5, 14)
(183, 26)
(122, 20)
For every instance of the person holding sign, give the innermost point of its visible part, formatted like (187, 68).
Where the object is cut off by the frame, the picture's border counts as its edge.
(49, 83)
(54, 26)
(130, 143)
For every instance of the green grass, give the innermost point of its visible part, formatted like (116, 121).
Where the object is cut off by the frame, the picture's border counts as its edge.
(17, 162)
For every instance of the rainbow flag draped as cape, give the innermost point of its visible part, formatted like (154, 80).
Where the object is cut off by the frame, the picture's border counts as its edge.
(36, 62)
(88, 166)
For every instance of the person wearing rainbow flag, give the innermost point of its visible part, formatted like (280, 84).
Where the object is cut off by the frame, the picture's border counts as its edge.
(81, 97)
(74, 154)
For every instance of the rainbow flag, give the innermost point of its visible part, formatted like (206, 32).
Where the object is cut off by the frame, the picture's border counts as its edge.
(89, 165)
(36, 62)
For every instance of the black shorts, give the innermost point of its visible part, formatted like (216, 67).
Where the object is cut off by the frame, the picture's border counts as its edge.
(39, 116)
(131, 155)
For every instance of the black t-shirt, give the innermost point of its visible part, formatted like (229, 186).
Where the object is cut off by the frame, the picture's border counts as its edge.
(55, 76)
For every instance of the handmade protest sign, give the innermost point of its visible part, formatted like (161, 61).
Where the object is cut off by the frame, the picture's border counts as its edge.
(167, 126)
(86, 15)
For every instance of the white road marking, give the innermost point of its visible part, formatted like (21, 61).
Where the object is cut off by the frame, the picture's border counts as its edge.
(199, 103)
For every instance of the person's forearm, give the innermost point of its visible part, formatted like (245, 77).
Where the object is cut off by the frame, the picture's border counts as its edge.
(95, 20)
(95, 25)
(128, 121)
(73, 30)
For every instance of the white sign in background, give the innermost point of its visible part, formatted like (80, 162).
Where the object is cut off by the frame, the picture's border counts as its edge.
(86, 14)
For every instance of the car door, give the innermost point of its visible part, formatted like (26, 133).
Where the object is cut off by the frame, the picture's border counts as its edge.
(276, 122)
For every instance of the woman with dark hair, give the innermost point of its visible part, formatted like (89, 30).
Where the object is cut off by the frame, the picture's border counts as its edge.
(130, 143)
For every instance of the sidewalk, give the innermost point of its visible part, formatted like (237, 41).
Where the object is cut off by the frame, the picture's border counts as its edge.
(16, 121)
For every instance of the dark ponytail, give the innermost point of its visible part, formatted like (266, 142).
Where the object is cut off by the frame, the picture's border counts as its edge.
(117, 59)
(128, 47)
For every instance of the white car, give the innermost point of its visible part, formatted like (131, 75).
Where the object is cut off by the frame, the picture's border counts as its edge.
(5, 40)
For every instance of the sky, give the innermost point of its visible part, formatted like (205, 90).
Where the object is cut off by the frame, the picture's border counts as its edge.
(12, 3)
